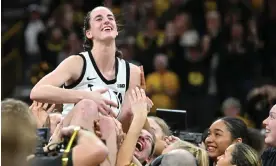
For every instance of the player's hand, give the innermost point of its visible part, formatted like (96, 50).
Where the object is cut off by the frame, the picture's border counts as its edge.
(171, 139)
(119, 132)
(142, 78)
(143, 86)
(138, 101)
(55, 119)
(40, 112)
(104, 105)
(57, 137)
(69, 130)
(97, 128)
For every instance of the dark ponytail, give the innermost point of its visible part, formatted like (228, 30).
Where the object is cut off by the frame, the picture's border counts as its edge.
(88, 44)
(237, 128)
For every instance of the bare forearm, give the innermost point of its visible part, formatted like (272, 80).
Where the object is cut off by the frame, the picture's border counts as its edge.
(111, 143)
(136, 161)
(51, 94)
(90, 150)
(126, 151)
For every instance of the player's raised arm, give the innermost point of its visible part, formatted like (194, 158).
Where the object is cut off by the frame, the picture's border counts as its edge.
(134, 81)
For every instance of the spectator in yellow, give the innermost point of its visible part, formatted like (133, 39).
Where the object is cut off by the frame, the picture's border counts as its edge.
(162, 85)
(231, 107)
(161, 6)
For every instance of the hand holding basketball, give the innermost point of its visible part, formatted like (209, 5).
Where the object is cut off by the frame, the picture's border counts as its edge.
(103, 104)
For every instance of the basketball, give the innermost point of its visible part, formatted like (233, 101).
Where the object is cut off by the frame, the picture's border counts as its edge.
(110, 95)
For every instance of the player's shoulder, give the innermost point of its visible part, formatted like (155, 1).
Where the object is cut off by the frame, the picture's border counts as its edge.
(134, 68)
(75, 59)
(72, 64)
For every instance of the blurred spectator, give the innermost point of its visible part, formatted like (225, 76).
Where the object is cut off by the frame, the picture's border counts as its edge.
(267, 26)
(170, 33)
(18, 133)
(54, 44)
(193, 67)
(214, 30)
(175, 7)
(170, 42)
(237, 66)
(72, 47)
(210, 5)
(259, 102)
(161, 6)
(78, 12)
(205, 44)
(231, 107)
(67, 23)
(130, 13)
(148, 41)
(257, 4)
(235, 10)
(213, 23)
(162, 85)
(33, 28)
(128, 54)
(182, 23)
(253, 36)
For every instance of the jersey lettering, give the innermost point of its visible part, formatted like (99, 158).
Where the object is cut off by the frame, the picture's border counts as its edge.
(90, 86)
(119, 98)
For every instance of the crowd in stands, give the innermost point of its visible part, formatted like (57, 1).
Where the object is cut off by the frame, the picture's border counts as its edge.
(214, 59)
(192, 51)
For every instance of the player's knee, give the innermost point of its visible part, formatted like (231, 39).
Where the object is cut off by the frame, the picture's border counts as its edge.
(84, 114)
(82, 108)
(86, 104)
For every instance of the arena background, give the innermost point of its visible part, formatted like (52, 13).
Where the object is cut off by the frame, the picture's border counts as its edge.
(216, 49)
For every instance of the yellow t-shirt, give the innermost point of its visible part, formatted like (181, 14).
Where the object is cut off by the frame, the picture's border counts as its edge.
(160, 82)
(160, 39)
(161, 6)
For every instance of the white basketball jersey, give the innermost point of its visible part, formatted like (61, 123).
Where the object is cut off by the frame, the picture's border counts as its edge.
(91, 76)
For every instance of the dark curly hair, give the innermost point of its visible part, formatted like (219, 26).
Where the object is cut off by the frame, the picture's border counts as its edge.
(88, 43)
